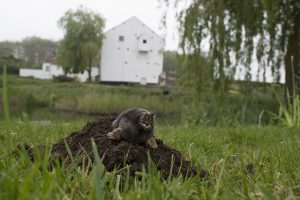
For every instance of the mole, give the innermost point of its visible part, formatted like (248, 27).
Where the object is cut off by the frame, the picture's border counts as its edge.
(135, 125)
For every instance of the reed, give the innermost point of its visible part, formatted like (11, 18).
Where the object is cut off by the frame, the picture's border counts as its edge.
(5, 94)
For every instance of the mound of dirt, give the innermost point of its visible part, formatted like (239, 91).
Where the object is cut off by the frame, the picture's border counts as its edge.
(116, 154)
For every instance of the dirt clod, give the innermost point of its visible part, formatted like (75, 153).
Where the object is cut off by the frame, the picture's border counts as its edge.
(250, 168)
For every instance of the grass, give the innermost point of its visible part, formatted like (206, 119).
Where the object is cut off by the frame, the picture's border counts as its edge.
(220, 134)
(290, 115)
(28, 94)
(231, 109)
(5, 94)
(224, 152)
(110, 102)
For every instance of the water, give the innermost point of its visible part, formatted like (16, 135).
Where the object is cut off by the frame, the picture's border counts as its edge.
(47, 115)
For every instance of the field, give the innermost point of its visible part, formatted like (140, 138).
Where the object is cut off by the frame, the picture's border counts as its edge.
(245, 157)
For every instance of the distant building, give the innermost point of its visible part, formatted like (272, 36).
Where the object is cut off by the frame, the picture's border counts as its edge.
(51, 70)
(131, 52)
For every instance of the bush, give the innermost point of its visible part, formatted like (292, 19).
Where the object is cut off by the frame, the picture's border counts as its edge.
(11, 69)
(227, 110)
(63, 78)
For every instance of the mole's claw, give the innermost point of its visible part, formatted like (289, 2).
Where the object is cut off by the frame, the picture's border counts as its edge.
(110, 135)
(113, 135)
(152, 143)
(154, 146)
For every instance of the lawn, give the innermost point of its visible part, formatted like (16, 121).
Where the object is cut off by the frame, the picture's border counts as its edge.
(244, 162)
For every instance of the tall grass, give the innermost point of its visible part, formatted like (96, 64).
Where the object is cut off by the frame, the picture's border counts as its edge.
(115, 102)
(31, 95)
(289, 114)
(89, 98)
(4, 94)
(229, 110)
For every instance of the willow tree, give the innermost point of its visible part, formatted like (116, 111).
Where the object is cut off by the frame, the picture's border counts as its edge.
(239, 30)
(83, 34)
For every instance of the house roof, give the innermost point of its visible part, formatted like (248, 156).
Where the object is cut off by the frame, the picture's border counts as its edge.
(134, 18)
(50, 60)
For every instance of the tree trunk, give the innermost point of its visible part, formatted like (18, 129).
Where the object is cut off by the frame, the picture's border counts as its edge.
(291, 59)
(289, 87)
(90, 71)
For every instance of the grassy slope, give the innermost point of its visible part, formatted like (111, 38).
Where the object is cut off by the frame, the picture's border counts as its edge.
(27, 93)
(36, 97)
(223, 151)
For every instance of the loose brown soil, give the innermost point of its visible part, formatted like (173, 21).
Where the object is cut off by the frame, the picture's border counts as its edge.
(117, 154)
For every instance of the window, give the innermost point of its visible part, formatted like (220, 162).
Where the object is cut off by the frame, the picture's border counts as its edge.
(121, 38)
(144, 41)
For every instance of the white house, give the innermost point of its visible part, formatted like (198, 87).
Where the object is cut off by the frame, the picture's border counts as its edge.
(50, 70)
(131, 52)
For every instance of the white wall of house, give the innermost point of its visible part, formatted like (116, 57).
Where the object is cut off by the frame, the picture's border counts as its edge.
(35, 73)
(131, 52)
(50, 70)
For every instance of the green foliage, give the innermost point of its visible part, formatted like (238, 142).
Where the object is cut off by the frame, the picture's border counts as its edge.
(239, 29)
(14, 80)
(5, 95)
(35, 50)
(83, 34)
(12, 64)
(169, 62)
(7, 58)
(6, 49)
(226, 110)
(28, 53)
(289, 114)
(62, 78)
(46, 100)
(28, 95)
(195, 71)
(107, 102)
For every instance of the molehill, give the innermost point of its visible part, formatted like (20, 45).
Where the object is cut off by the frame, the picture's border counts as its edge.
(116, 154)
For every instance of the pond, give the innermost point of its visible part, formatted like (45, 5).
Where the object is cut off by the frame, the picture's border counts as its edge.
(51, 115)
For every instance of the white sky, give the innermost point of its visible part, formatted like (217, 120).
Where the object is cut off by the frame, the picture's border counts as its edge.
(25, 18)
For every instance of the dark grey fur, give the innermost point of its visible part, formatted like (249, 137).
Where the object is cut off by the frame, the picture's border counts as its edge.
(130, 122)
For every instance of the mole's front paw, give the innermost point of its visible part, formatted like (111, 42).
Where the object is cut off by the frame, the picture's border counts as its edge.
(115, 134)
(151, 142)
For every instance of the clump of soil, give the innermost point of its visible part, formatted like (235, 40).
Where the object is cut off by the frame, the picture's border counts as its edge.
(119, 153)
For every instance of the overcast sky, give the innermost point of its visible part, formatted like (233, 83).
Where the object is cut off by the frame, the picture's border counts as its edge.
(23, 18)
